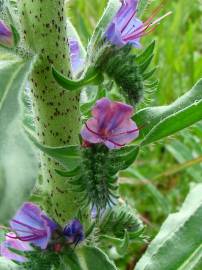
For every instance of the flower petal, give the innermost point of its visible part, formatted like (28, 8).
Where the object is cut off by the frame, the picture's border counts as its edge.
(123, 135)
(110, 114)
(32, 225)
(74, 231)
(77, 62)
(90, 132)
(15, 244)
(111, 124)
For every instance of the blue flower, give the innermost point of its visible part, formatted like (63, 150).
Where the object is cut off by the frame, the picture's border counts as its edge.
(74, 232)
(126, 28)
(32, 225)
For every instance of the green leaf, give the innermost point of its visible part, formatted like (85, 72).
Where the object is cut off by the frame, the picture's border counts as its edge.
(92, 77)
(95, 259)
(180, 239)
(163, 121)
(68, 156)
(18, 165)
(70, 262)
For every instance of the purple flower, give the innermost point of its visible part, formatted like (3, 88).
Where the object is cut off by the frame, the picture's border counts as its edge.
(11, 242)
(32, 225)
(74, 232)
(126, 28)
(6, 35)
(111, 124)
(77, 61)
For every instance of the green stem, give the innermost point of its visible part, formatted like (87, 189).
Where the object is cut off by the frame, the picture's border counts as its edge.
(56, 111)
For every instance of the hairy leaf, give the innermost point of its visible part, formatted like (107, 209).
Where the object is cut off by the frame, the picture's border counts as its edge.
(18, 164)
(92, 77)
(179, 239)
(68, 156)
(163, 121)
(95, 259)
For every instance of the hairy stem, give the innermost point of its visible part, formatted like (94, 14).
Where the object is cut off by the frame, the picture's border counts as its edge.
(56, 111)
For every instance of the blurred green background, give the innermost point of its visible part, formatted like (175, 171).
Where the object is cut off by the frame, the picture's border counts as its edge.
(159, 181)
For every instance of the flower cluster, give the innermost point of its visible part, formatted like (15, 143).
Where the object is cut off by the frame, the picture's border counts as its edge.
(126, 28)
(31, 226)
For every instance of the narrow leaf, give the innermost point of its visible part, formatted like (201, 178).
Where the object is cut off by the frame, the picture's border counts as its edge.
(95, 259)
(93, 77)
(179, 239)
(68, 156)
(175, 122)
(18, 164)
(162, 121)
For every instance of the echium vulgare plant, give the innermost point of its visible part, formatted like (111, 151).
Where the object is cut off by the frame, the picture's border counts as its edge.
(79, 108)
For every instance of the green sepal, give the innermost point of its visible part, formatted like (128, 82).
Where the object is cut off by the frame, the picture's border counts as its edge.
(68, 156)
(152, 84)
(3, 232)
(123, 248)
(146, 53)
(92, 77)
(128, 70)
(16, 35)
(95, 176)
(149, 73)
(122, 158)
(145, 64)
(118, 219)
(121, 244)
(90, 229)
(71, 173)
(17, 251)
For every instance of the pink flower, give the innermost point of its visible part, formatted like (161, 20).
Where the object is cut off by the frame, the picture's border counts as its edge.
(11, 242)
(111, 124)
